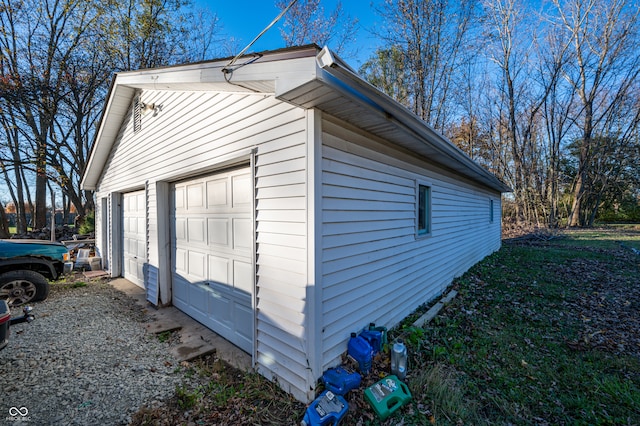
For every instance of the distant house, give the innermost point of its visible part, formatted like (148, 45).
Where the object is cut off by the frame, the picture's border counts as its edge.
(283, 202)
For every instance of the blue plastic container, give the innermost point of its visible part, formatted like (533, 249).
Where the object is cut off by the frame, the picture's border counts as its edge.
(326, 409)
(360, 350)
(374, 337)
(340, 381)
(382, 331)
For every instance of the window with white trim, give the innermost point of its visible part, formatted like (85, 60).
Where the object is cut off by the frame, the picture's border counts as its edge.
(423, 214)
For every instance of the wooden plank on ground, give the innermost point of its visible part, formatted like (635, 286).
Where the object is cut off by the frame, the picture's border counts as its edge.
(431, 313)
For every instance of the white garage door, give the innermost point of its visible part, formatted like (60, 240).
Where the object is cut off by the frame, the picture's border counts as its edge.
(134, 244)
(212, 262)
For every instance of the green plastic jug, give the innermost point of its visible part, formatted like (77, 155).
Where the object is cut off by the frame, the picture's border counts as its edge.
(387, 395)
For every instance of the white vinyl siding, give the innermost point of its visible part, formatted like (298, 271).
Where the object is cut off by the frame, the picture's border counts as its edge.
(491, 211)
(196, 133)
(373, 267)
(334, 242)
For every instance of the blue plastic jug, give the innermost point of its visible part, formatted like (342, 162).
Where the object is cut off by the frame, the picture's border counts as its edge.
(340, 381)
(374, 337)
(382, 331)
(360, 350)
(326, 409)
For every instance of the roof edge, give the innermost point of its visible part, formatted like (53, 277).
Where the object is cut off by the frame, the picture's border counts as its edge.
(398, 113)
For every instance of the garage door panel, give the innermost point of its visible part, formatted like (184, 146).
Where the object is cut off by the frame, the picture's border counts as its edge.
(180, 261)
(180, 291)
(140, 201)
(244, 326)
(178, 198)
(242, 230)
(220, 305)
(180, 225)
(195, 228)
(197, 267)
(219, 269)
(134, 236)
(139, 269)
(218, 230)
(195, 195)
(217, 193)
(214, 236)
(198, 298)
(243, 276)
(242, 193)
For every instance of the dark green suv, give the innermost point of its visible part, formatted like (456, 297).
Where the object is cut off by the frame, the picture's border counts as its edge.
(25, 268)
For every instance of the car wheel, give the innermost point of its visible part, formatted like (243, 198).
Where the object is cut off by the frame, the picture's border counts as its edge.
(22, 286)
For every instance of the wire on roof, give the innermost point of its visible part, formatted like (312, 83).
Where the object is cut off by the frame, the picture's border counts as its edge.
(226, 70)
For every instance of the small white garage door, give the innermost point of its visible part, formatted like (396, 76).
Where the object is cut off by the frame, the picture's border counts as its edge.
(134, 230)
(212, 262)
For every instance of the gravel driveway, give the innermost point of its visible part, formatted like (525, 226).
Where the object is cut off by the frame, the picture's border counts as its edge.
(85, 360)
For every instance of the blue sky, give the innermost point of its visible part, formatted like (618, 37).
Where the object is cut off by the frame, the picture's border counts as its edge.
(244, 19)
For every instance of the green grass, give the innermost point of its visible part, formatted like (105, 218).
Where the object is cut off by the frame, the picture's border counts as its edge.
(13, 230)
(514, 336)
(164, 336)
(519, 345)
(216, 393)
(609, 237)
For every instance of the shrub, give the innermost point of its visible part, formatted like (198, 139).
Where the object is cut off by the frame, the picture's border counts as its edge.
(88, 225)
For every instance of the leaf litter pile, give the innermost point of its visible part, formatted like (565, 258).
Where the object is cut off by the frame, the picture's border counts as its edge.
(606, 282)
(608, 308)
(546, 331)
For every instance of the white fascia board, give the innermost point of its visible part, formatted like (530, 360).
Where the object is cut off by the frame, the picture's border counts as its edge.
(251, 74)
(211, 76)
(115, 110)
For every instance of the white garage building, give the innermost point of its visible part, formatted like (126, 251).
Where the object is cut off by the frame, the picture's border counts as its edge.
(283, 202)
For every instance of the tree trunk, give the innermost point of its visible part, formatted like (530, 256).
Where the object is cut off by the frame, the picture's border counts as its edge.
(4, 223)
(583, 165)
(41, 188)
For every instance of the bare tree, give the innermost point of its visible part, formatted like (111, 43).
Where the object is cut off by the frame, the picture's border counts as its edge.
(144, 33)
(4, 228)
(386, 70)
(203, 37)
(605, 68)
(38, 38)
(546, 98)
(432, 35)
(12, 154)
(529, 68)
(307, 22)
(87, 76)
(505, 28)
(557, 112)
(56, 59)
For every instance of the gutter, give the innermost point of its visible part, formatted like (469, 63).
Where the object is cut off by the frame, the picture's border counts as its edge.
(340, 77)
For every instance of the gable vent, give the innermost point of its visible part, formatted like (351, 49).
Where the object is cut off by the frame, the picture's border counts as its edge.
(137, 115)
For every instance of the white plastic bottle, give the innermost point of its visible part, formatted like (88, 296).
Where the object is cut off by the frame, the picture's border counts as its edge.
(399, 360)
